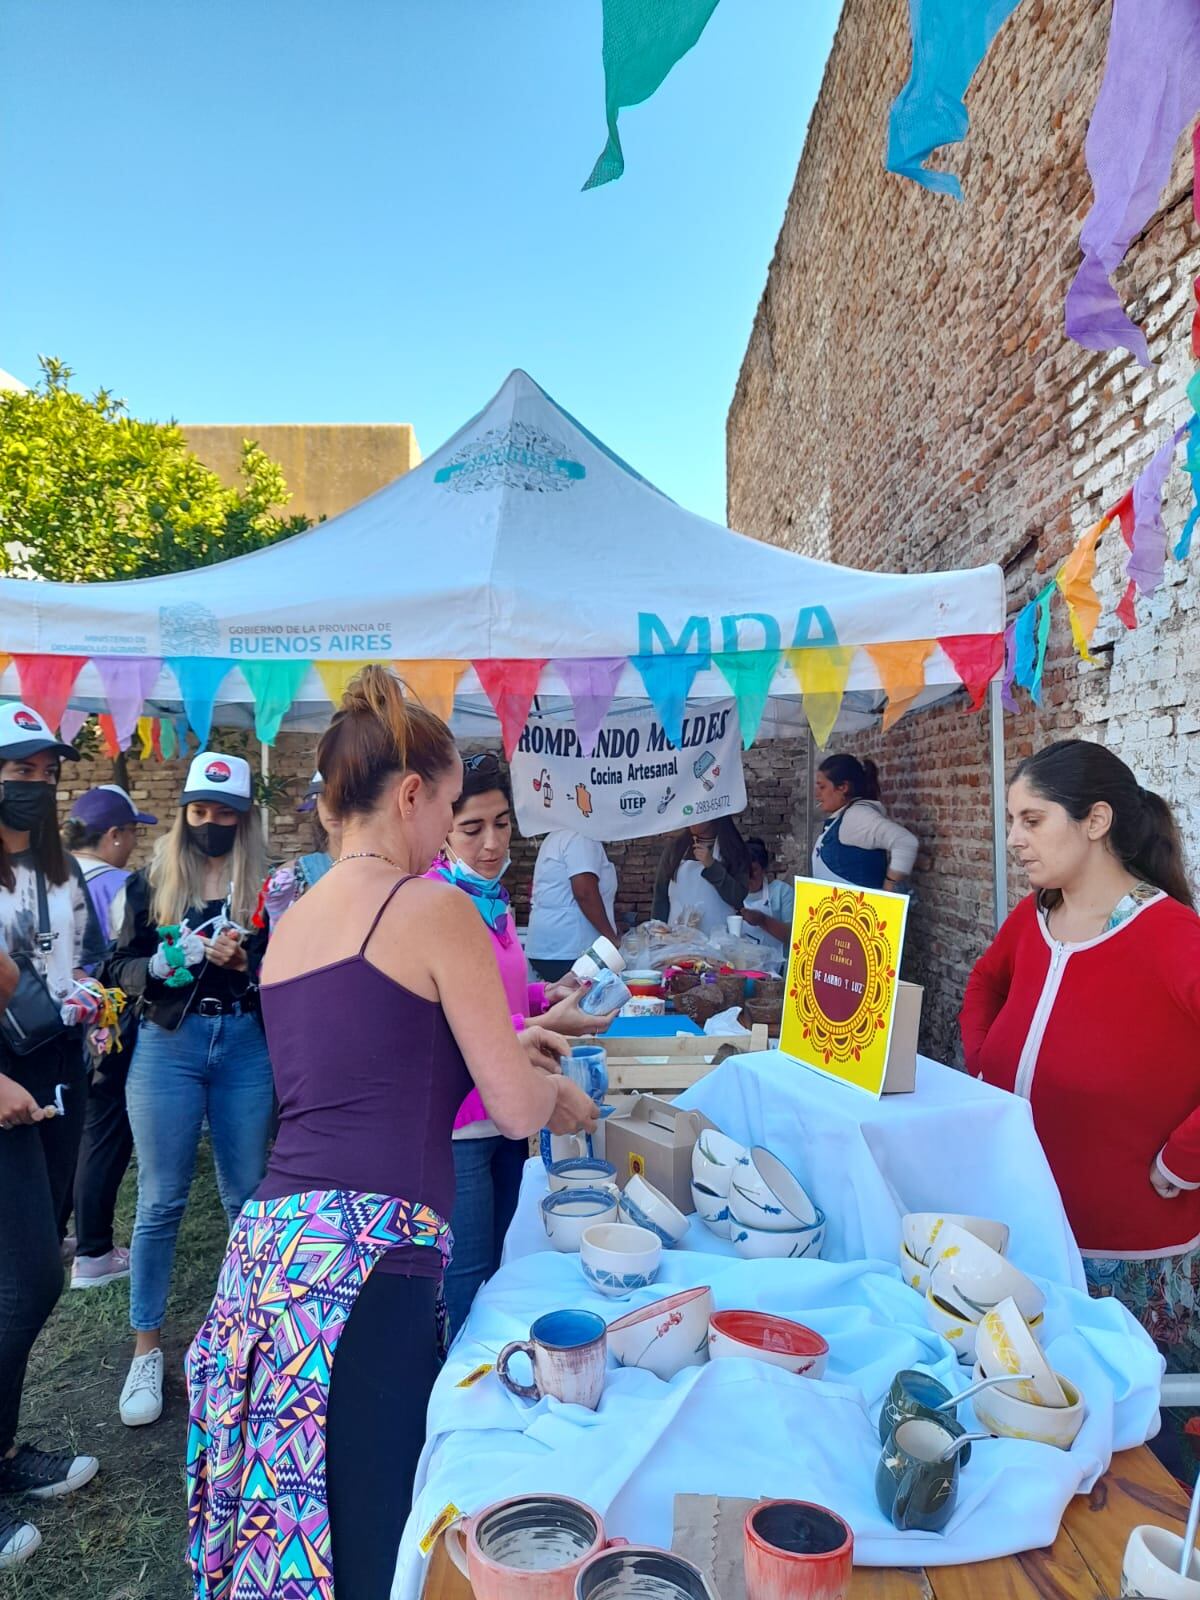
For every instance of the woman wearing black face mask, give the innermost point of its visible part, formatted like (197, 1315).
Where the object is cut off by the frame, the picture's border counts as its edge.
(201, 1054)
(45, 915)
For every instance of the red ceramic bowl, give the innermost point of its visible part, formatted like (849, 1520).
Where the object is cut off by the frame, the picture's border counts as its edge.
(756, 1336)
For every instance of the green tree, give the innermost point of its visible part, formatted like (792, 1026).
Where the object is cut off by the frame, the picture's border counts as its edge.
(89, 493)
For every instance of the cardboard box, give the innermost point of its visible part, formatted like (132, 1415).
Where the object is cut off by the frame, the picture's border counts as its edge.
(900, 1073)
(656, 1139)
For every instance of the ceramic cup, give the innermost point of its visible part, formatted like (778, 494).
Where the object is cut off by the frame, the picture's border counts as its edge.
(528, 1548)
(587, 1065)
(794, 1550)
(581, 1172)
(967, 1274)
(769, 1195)
(712, 1209)
(666, 1336)
(715, 1158)
(567, 1351)
(919, 1394)
(639, 1572)
(1151, 1566)
(1004, 1342)
(920, 1230)
(795, 1244)
(567, 1212)
(618, 1258)
(915, 1483)
(1011, 1418)
(647, 1207)
(756, 1336)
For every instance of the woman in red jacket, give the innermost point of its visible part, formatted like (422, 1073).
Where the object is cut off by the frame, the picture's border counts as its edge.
(1088, 1004)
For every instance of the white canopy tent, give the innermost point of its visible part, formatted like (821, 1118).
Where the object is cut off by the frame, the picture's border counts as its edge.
(523, 537)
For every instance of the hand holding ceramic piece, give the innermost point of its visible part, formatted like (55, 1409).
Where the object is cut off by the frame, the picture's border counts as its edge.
(566, 1213)
(969, 1276)
(647, 1207)
(757, 1336)
(617, 1258)
(1005, 1343)
(1010, 1418)
(666, 1336)
(796, 1244)
(920, 1231)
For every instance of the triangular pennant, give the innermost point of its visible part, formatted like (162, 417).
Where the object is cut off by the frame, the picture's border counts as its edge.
(977, 658)
(1076, 583)
(71, 724)
(108, 734)
(821, 671)
(128, 682)
(1191, 461)
(510, 685)
(1126, 610)
(1010, 667)
(46, 683)
(335, 675)
(1043, 639)
(1025, 644)
(145, 733)
(749, 673)
(668, 679)
(591, 685)
(1124, 514)
(166, 738)
(433, 683)
(1148, 547)
(274, 685)
(199, 679)
(156, 738)
(901, 669)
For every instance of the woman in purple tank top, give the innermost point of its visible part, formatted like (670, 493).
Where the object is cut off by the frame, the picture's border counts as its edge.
(382, 1005)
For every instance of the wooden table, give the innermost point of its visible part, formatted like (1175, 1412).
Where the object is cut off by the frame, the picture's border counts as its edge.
(1083, 1563)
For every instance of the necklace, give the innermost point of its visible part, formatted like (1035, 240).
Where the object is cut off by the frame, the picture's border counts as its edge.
(368, 855)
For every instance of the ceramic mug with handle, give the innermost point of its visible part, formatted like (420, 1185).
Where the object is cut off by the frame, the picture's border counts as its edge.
(568, 1351)
(916, 1481)
(527, 1548)
(795, 1550)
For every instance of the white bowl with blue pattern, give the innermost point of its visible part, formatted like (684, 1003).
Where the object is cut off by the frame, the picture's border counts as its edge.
(713, 1210)
(788, 1244)
(768, 1194)
(617, 1258)
(647, 1207)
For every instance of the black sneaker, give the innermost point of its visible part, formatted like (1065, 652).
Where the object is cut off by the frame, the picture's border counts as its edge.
(45, 1475)
(18, 1541)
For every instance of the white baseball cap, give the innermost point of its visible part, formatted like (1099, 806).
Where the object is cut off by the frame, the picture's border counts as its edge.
(23, 732)
(213, 776)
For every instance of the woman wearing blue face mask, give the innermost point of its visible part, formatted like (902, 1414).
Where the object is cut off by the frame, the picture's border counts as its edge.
(487, 1166)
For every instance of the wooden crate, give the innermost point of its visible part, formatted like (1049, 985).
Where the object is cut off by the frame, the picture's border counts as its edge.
(667, 1066)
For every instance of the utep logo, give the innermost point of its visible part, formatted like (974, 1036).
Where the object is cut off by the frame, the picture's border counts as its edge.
(217, 772)
(26, 719)
(516, 457)
(633, 802)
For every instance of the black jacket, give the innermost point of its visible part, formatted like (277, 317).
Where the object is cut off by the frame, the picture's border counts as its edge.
(137, 940)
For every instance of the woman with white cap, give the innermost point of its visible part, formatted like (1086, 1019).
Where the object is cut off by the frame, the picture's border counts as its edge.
(46, 924)
(201, 1055)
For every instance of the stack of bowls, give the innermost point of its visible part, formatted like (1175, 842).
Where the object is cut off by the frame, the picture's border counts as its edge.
(567, 1213)
(647, 1207)
(919, 1232)
(772, 1215)
(1042, 1405)
(715, 1159)
(967, 1278)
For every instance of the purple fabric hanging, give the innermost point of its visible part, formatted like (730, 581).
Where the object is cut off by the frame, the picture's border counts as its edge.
(591, 685)
(1149, 552)
(128, 683)
(1150, 93)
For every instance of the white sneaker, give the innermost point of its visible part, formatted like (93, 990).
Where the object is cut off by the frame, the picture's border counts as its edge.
(93, 1272)
(18, 1541)
(141, 1398)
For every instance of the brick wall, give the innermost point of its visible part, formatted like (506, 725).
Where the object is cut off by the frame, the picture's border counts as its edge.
(908, 401)
(775, 785)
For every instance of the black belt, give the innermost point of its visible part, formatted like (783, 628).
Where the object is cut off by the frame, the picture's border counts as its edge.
(211, 1006)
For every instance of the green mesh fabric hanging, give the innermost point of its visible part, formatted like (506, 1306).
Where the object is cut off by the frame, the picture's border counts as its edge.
(642, 42)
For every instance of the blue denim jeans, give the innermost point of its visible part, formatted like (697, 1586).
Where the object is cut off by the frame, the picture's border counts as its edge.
(487, 1177)
(213, 1068)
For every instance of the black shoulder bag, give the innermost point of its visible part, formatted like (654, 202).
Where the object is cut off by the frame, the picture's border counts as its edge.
(33, 1016)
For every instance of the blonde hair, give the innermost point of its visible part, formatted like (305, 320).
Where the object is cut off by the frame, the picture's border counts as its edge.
(177, 871)
(377, 734)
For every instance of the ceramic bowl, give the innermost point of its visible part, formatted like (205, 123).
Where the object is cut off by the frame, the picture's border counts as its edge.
(567, 1212)
(920, 1229)
(969, 1275)
(715, 1158)
(581, 1172)
(957, 1330)
(768, 1195)
(1016, 1419)
(794, 1244)
(1005, 1343)
(647, 1207)
(625, 1570)
(618, 1258)
(915, 1273)
(666, 1336)
(713, 1210)
(756, 1336)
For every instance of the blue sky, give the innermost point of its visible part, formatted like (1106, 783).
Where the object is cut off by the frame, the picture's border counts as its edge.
(290, 211)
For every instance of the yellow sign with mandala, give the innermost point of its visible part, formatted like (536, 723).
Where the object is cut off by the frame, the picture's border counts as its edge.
(842, 978)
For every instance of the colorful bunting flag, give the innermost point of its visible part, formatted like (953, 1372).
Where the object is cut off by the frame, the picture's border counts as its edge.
(1043, 639)
(46, 683)
(1025, 640)
(901, 669)
(949, 40)
(274, 685)
(71, 725)
(510, 685)
(641, 44)
(1151, 90)
(1148, 545)
(336, 675)
(1076, 583)
(166, 738)
(145, 733)
(822, 671)
(1191, 466)
(749, 673)
(156, 738)
(433, 683)
(977, 658)
(108, 734)
(668, 679)
(1010, 668)
(199, 679)
(128, 683)
(592, 686)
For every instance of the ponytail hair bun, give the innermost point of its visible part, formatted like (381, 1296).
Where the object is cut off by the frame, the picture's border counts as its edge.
(861, 776)
(378, 733)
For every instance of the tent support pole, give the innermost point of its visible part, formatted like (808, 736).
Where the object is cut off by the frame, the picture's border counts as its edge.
(809, 778)
(264, 810)
(999, 828)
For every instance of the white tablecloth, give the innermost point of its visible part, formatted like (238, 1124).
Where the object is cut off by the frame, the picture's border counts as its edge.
(741, 1428)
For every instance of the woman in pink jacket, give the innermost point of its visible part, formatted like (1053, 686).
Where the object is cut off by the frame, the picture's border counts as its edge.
(487, 1166)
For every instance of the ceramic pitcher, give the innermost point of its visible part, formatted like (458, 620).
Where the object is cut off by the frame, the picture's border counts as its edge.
(916, 1481)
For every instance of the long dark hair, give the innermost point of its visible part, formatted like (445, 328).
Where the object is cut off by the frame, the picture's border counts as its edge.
(735, 858)
(861, 776)
(49, 857)
(1077, 775)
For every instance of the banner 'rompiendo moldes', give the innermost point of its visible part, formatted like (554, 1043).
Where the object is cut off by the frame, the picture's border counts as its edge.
(635, 783)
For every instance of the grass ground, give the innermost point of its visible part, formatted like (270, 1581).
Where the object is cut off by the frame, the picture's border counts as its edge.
(121, 1538)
